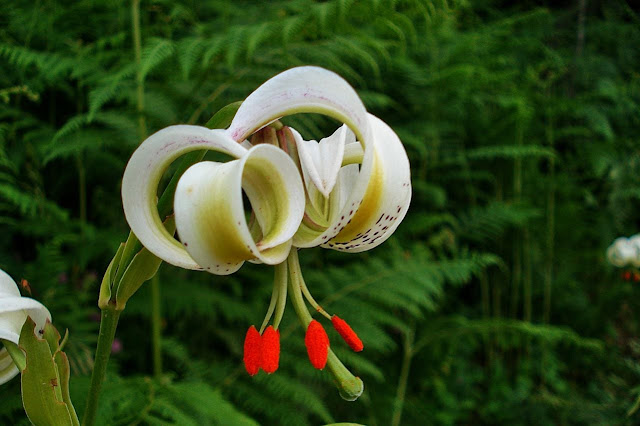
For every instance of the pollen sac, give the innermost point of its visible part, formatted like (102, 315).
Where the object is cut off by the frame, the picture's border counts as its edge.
(317, 343)
(347, 333)
(270, 350)
(252, 351)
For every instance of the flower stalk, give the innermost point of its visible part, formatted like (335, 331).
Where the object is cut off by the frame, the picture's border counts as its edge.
(108, 325)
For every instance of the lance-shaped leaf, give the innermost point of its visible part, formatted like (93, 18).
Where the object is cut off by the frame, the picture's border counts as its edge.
(369, 200)
(42, 395)
(142, 268)
(13, 312)
(108, 280)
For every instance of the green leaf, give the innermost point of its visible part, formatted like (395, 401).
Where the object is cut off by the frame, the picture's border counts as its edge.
(41, 384)
(107, 280)
(64, 372)
(142, 268)
(224, 116)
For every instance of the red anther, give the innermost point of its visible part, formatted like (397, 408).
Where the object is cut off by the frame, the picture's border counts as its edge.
(270, 349)
(627, 275)
(252, 351)
(317, 343)
(347, 333)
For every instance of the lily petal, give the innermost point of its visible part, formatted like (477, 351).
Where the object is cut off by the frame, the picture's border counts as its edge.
(143, 173)
(210, 215)
(387, 197)
(8, 369)
(302, 89)
(322, 160)
(13, 313)
(8, 287)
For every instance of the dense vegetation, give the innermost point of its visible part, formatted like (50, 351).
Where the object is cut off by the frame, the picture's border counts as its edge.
(493, 302)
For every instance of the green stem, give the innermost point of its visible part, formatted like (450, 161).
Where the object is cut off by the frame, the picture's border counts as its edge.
(137, 47)
(156, 331)
(108, 324)
(404, 376)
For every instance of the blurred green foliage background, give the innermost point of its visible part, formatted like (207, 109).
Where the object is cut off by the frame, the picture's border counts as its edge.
(493, 302)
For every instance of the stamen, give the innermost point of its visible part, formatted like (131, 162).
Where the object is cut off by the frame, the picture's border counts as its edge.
(311, 300)
(252, 351)
(272, 303)
(270, 350)
(317, 343)
(281, 282)
(347, 333)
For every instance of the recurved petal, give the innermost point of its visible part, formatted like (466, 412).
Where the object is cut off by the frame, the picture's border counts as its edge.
(14, 310)
(387, 196)
(210, 215)
(302, 89)
(8, 287)
(8, 369)
(143, 173)
(13, 314)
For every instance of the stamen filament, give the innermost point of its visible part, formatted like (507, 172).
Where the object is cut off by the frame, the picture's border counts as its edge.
(311, 300)
(294, 287)
(281, 282)
(272, 303)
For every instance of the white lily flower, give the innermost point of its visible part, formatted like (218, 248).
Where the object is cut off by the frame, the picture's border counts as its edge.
(356, 191)
(625, 251)
(362, 204)
(13, 313)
